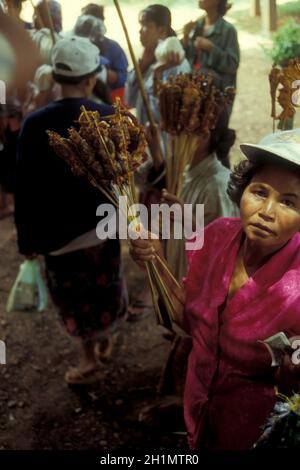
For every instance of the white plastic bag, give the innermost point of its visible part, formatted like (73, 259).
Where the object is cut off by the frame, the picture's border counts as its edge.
(29, 291)
(171, 44)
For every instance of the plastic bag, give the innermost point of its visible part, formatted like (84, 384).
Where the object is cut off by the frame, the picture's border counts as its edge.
(29, 291)
(171, 44)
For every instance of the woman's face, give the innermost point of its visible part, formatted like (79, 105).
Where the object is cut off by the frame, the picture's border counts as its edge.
(208, 4)
(150, 33)
(270, 207)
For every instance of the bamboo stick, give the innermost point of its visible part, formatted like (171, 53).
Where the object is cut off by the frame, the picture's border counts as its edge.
(138, 72)
(165, 266)
(164, 292)
(159, 289)
(157, 312)
(181, 30)
(168, 163)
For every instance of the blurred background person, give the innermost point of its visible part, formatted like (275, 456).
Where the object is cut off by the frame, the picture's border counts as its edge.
(19, 59)
(113, 58)
(94, 10)
(55, 11)
(155, 21)
(56, 215)
(211, 44)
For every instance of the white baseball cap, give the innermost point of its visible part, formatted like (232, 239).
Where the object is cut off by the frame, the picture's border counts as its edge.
(75, 56)
(284, 144)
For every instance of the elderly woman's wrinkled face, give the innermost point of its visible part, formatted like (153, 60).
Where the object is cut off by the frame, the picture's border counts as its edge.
(270, 206)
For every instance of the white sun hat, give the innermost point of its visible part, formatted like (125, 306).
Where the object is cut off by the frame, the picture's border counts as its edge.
(285, 145)
(75, 56)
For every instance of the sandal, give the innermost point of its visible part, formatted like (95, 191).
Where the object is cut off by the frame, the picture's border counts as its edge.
(74, 376)
(141, 310)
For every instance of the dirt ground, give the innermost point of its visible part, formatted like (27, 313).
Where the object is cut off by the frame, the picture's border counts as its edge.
(37, 410)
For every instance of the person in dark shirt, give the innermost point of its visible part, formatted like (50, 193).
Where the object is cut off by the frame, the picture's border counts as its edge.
(56, 213)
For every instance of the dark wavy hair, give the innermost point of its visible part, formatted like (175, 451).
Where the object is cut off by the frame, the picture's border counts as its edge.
(243, 173)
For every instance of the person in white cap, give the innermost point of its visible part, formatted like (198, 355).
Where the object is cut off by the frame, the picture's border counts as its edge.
(56, 213)
(242, 287)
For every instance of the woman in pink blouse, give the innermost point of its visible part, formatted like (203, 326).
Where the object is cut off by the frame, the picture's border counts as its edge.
(241, 287)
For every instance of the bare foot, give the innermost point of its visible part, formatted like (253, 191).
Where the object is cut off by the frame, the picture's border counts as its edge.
(87, 370)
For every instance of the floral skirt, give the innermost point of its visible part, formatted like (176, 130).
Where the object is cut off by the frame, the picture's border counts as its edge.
(88, 289)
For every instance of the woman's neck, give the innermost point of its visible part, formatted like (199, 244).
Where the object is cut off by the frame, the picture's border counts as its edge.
(198, 158)
(202, 151)
(254, 256)
(212, 17)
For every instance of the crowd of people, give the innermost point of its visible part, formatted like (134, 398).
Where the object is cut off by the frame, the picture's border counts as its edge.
(241, 287)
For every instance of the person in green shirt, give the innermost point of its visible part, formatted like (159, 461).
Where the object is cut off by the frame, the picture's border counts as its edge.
(211, 44)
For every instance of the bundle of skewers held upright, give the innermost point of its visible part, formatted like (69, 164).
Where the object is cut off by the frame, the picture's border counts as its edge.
(106, 152)
(189, 106)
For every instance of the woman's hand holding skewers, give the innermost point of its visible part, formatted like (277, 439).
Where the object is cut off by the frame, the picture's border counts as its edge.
(144, 250)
